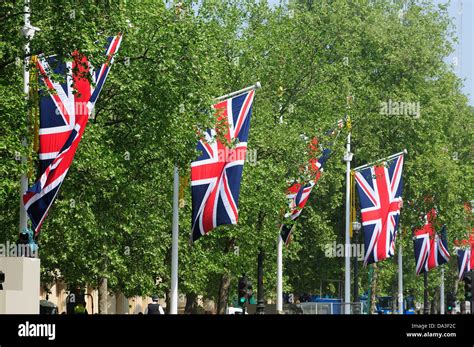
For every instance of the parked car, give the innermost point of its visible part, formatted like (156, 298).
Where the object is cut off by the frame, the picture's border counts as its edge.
(234, 310)
(47, 307)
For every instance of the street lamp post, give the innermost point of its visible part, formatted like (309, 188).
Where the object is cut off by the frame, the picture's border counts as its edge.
(400, 278)
(174, 245)
(347, 251)
(28, 32)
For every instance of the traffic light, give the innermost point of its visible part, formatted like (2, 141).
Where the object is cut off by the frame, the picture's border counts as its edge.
(243, 290)
(451, 302)
(468, 278)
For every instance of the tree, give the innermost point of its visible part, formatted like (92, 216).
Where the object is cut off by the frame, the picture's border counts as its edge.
(111, 221)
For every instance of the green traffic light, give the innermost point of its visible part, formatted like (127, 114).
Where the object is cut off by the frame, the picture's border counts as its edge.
(242, 300)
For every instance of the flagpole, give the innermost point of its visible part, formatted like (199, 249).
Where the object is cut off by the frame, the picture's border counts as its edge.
(174, 246)
(28, 32)
(400, 277)
(255, 86)
(26, 91)
(441, 292)
(347, 283)
(279, 300)
(383, 159)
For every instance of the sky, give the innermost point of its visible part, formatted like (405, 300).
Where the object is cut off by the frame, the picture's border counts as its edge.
(462, 12)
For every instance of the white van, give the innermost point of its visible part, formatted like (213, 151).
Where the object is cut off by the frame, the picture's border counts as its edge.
(234, 310)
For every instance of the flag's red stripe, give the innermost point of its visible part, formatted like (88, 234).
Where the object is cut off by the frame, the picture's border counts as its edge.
(383, 212)
(231, 200)
(53, 142)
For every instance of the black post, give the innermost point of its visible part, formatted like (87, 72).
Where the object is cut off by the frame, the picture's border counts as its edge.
(472, 302)
(356, 282)
(426, 309)
(470, 274)
(356, 269)
(357, 309)
(260, 294)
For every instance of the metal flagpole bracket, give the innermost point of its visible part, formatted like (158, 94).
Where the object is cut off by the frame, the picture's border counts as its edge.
(29, 30)
(393, 156)
(238, 92)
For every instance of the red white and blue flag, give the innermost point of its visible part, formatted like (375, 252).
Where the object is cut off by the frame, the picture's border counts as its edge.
(380, 196)
(431, 249)
(298, 194)
(64, 112)
(465, 260)
(217, 172)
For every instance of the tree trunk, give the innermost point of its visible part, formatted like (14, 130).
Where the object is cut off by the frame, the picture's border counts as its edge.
(373, 289)
(260, 289)
(224, 285)
(103, 295)
(437, 301)
(168, 301)
(426, 309)
(433, 306)
(223, 294)
(394, 290)
(456, 287)
(191, 303)
(394, 300)
(462, 307)
(167, 279)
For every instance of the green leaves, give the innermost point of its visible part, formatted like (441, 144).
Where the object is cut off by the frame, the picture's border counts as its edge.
(113, 214)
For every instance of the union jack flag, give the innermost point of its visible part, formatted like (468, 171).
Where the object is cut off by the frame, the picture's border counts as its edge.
(64, 112)
(298, 194)
(431, 250)
(380, 195)
(217, 172)
(465, 260)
